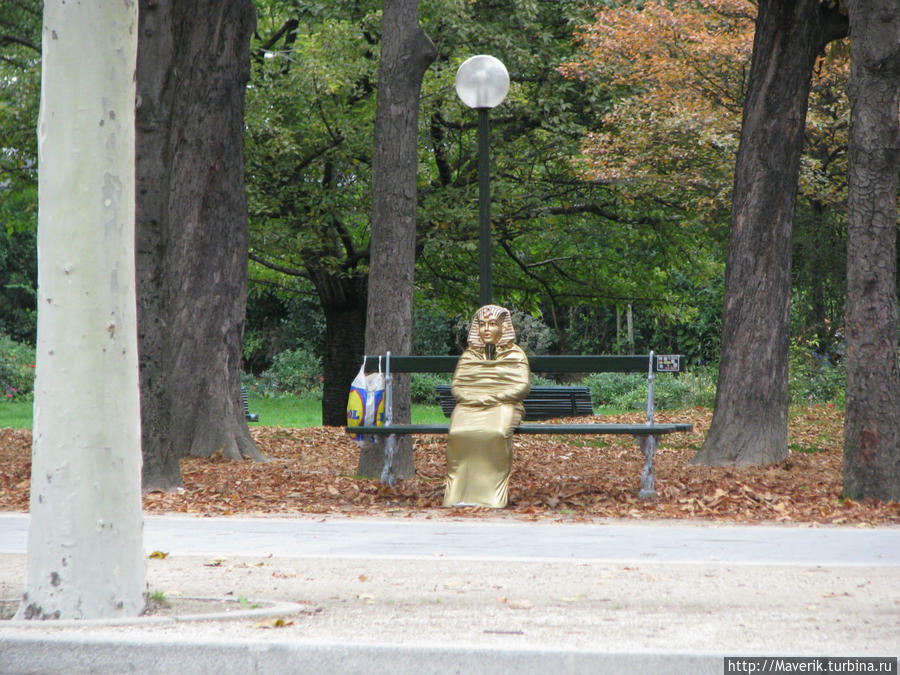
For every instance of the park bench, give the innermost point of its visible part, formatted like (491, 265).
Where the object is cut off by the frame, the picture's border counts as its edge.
(245, 400)
(647, 434)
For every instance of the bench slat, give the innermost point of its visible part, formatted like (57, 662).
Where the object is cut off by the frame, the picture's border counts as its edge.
(542, 402)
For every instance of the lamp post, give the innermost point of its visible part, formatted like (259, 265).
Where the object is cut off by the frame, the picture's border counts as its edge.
(482, 83)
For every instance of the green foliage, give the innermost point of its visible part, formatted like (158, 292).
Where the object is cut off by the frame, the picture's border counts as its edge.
(628, 391)
(277, 321)
(814, 378)
(16, 369)
(432, 331)
(532, 334)
(293, 371)
(20, 75)
(18, 281)
(608, 388)
(309, 112)
(422, 387)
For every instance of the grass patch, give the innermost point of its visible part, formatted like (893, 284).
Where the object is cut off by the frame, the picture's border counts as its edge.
(286, 411)
(274, 411)
(15, 414)
(806, 449)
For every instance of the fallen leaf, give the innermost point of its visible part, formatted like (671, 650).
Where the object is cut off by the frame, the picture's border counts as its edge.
(273, 623)
(158, 554)
(593, 483)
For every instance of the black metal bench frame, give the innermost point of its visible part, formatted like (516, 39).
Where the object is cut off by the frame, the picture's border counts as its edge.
(646, 434)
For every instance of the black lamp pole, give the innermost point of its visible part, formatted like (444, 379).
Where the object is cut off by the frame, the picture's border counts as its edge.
(484, 208)
(482, 83)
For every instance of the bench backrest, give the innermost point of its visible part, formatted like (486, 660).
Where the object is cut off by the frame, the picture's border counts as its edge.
(635, 363)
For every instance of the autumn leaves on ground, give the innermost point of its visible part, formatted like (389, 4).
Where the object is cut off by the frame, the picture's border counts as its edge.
(561, 478)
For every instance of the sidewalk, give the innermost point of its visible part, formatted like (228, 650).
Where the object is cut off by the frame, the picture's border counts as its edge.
(482, 596)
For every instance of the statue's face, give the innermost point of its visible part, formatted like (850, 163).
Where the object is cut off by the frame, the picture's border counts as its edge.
(490, 330)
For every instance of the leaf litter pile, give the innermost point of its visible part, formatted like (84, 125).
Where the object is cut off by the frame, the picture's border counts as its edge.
(554, 477)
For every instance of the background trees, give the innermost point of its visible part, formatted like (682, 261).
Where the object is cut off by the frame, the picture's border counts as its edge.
(672, 136)
(569, 250)
(613, 163)
(20, 52)
(311, 105)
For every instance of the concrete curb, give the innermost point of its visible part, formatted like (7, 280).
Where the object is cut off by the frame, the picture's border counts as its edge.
(272, 608)
(57, 654)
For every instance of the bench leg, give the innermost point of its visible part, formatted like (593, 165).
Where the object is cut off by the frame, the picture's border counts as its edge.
(387, 473)
(648, 480)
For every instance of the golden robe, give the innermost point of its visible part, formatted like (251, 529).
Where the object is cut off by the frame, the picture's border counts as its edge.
(489, 406)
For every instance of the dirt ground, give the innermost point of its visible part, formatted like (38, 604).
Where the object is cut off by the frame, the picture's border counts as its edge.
(568, 478)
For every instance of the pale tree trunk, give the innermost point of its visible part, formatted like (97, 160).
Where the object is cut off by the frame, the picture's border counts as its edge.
(192, 230)
(85, 549)
(406, 53)
(749, 424)
(872, 423)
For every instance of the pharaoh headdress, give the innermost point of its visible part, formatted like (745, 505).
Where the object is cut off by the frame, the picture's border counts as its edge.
(507, 335)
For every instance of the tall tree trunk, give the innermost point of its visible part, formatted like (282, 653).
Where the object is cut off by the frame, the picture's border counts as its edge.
(749, 423)
(156, 88)
(406, 53)
(192, 213)
(343, 302)
(85, 550)
(872, 424)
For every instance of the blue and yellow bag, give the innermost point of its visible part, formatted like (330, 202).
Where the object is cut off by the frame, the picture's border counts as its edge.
(365, 405)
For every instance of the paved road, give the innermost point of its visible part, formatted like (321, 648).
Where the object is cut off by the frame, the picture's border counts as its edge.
(472, 540)
(411, 596)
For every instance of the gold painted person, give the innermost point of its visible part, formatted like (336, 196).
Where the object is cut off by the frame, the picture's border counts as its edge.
(491, 380)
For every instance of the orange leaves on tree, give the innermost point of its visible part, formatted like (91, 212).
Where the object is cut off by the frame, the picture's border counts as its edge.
(678, 74)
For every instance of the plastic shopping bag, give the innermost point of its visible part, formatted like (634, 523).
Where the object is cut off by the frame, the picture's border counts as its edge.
(365, 405)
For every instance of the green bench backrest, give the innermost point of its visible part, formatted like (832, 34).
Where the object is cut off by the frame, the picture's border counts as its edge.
(671, 363)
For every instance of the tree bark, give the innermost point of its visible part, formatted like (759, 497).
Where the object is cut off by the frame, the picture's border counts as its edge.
(406, 53)
(192, 230)
(749, 423)
(85, 549)
(872, 422)
(343, 302)
(156, 88)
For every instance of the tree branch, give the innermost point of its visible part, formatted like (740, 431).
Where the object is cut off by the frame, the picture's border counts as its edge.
(302, 274)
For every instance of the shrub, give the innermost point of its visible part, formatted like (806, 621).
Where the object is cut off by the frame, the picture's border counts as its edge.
(813, 378)
(294, 371)
(629, 390)
(16, 369)
(432, 331)
(608, 388)
(423, 384)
